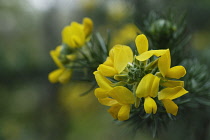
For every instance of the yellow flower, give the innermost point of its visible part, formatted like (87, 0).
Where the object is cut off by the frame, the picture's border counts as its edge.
(142, 47)
(147, 88)
(168, 94)
(120, 102)
(75, 35)
(119, 57)
(61, 74)
(164, 64)
(104, 85)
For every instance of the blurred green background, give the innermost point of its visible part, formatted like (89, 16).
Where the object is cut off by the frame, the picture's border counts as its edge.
(34, 109)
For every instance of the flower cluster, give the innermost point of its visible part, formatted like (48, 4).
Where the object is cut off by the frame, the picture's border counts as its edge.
(128, 82)
(74, 37)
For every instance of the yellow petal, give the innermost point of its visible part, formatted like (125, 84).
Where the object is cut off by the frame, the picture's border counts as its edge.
(148, 86)
(108, 71)
(124, 113)
(55, 56)
(114, 110)
(164, 63)
(171, 93)
(109, 62)
(141, 43)
(122, 95)
(122, 56)
(146, 55)
(170, 106)
(172, 83)
(102, 81)
(88, 26)
(107, 101)
(176, 72)
(101, 93)
(73, 35)
(65, 76)
(54, 75)
(150, 106)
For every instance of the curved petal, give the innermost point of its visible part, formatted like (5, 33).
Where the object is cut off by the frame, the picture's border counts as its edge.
(172, 83)
(114, 110)
(102, 81)
(146, 55)
(176, 72)
(108, 71)
(122, 55)
(124, 113)
(164, 63)
(55, 54)
(122, 95)
(171, 93)
(150, 106)
(54, 75)
(148, 86)
(100, 93)
(107, 101)
(170, 106)
(65, 76)
(141, 43)
(88, 26)
(73, 35)
(109, 62)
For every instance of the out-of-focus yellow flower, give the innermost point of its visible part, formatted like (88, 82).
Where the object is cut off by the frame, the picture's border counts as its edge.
(168, 94)
(142, 47)
(119, 57)
(164, 64)
(75, 35)
(120, 102)
(61, 74)
(125, 35)
(147, 88)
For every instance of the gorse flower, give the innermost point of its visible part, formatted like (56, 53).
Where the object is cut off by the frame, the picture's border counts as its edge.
(148, 88)
(147, 77)
(66, 55)
(61, 74)
(119, 57)
(119, 98)
(75, 35)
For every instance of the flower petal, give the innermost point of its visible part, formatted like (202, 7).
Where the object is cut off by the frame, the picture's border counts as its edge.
(102, 81)
(122, 56)
(55, 56)
(170, 106)
(172, 83)
(88, 26)
(114, 110)
(164, 63)
(122, 95)
(54, 75)
(171, 93)
(148, 86)
(65, 76)
(73, 35)
(146, 55)
(109, 62)
(108, 71)
(124, 113)
(107, 101)
(100, 93)
(176, 72)
(150, 106)
(141, 43)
